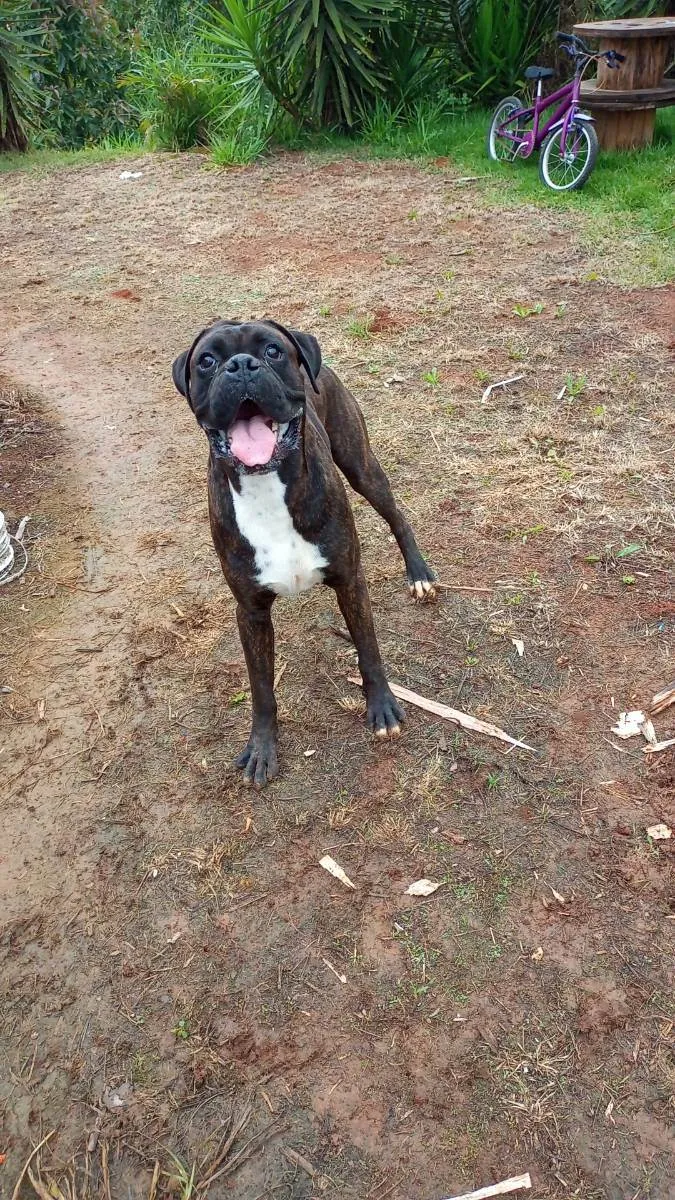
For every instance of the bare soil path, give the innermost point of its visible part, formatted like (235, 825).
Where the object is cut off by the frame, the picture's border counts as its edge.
(165, 935)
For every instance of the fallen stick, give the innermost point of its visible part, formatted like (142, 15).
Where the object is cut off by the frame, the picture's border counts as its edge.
(450, 714)
(663, 699)
(501, 383)
(515, 1184)
(461, 587)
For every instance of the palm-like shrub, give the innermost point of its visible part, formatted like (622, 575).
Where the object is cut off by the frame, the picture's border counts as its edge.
(19, 94)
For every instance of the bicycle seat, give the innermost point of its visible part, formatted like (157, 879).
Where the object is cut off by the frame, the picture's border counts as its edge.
(539, 72)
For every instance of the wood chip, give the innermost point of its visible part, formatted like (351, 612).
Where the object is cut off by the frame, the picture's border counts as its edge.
(329, 864)
(659, 833)
(299, 1160)
(422, 887)
(663, 699)
(517, 1183)
(657, 746)
(629, 724)
(451, 714)
(337, 974)
(500, 384)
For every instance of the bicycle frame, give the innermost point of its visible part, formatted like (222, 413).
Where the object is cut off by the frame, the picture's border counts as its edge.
(567, 100)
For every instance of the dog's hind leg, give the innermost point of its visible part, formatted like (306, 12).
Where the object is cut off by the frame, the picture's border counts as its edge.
(366, 476)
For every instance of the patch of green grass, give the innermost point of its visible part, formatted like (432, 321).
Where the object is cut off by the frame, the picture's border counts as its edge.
(432, 377)
(45, 160)
(239, 146)
(625, 210)
(360, 327)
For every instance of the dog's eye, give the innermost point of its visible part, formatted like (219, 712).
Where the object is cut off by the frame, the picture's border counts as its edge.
(273, 351)
(206, 362)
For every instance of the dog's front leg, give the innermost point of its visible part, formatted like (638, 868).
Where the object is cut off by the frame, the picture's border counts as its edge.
(384, 713)
(259, 759)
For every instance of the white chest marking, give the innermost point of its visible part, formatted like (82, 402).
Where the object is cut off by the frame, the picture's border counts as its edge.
(285, 562)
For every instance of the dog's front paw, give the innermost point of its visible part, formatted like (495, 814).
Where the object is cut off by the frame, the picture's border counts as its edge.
(421, 580)
(384, 714)
(259, 759)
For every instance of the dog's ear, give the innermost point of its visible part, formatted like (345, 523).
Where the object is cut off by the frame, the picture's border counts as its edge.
(308, 351)
(310, 354)
(179, 372)
(181, 367)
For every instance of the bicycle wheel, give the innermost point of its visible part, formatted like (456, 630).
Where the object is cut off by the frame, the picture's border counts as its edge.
(500, 148)
(565, 172)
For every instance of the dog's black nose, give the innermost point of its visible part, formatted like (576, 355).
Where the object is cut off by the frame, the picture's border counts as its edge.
(242, 362)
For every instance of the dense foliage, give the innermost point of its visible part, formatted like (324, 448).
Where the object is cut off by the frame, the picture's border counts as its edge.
(234, 73)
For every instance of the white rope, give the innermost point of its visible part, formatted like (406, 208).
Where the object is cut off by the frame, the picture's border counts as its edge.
(7, 555)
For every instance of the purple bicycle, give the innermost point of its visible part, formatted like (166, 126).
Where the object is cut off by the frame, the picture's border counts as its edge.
(567, 140)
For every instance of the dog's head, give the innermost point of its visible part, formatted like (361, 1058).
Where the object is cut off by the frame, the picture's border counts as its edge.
(244, 382)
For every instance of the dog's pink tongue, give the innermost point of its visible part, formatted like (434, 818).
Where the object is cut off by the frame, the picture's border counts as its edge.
(252, 441)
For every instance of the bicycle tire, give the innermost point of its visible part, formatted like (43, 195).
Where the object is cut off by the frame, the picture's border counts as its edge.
(570, 182)
(505, 106)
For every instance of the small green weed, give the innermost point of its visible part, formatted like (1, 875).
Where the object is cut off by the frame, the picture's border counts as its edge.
(629, 580)
(432, 377)
(325, 310)
(182, 1029)
(237, 699)
(575, 384)
(528, 310)
(361, 327)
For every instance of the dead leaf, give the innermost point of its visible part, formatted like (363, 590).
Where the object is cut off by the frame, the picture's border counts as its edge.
(422, 887)
(519, 645)
(559, 898)
(309, 753)
(537, 954)
(659, 833)
(329, 864)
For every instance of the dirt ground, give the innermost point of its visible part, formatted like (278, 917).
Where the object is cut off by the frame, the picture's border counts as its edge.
(189, 1002)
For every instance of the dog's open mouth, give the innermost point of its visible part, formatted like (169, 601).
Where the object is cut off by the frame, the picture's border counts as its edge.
(252, 438)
